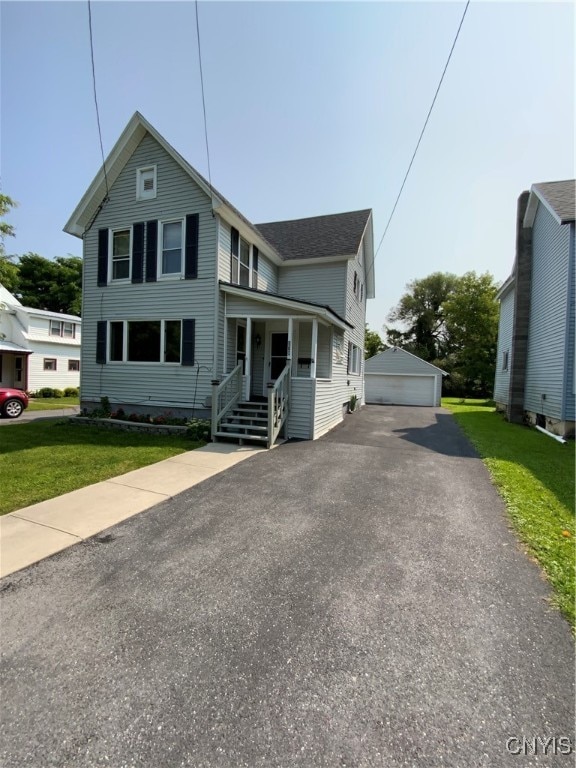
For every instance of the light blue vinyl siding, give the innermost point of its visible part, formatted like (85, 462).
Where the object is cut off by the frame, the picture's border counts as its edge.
(141, 383)
(570, 373)
(505, 330)
(545, 367)
(320, 283)
(267, 275)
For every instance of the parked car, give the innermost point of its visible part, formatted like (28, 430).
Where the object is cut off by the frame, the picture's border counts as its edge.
(12, 402)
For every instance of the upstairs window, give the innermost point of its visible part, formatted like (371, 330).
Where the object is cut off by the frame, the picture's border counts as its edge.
(171, 241)
(120, 250)
(146, 183)
(243, 260)
(62, 328)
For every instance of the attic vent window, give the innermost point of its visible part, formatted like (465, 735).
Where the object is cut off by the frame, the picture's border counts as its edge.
(146, 183)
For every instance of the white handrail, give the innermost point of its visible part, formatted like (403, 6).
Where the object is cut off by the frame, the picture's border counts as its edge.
(225, 395)
(278, 403)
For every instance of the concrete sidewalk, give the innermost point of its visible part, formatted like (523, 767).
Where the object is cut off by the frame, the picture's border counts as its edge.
(33, 533)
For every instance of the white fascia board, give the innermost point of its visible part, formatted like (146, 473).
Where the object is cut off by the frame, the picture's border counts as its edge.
(368, 236)
(287, 303)
(535, 198)
(505, 287)
(121, 152)
(318, 260)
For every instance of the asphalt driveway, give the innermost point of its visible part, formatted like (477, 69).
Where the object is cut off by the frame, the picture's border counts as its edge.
(355, 601)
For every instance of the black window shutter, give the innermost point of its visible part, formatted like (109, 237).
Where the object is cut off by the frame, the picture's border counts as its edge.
(102, 257)
(151, 250)
(255, 255)
(188, 341)
(101, 328)
(191, 258)
(137, 253)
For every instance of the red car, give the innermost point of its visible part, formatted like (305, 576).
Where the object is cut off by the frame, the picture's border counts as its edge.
(12, 402)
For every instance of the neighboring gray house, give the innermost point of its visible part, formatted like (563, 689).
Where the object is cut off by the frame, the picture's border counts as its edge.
(38, 348)
(190, 308)
(535, 364)
(398, 377)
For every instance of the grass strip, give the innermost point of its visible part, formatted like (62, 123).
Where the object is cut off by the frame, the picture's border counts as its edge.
(535, 476)
(43, 459)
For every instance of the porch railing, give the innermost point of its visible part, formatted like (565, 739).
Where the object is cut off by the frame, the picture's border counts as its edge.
(278, 403)
(225, 395)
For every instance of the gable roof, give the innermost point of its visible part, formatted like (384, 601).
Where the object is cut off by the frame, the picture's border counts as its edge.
(315, 237)
(337, 234)
(394, 350)
(559, 197)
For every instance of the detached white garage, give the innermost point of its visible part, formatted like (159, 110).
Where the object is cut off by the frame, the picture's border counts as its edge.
(397, 377)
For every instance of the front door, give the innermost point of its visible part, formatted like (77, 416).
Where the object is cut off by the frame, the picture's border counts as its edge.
(278, 354)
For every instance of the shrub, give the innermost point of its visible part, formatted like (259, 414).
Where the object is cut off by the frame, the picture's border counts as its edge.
(105, 406)
(45, 392)
(198, 429)
(71, 392)
(58, 393)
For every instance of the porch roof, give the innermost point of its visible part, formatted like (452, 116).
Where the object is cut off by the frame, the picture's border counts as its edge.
(9, 346)
(323, 310)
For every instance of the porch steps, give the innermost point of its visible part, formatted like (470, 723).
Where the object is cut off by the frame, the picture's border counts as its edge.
(247, 421)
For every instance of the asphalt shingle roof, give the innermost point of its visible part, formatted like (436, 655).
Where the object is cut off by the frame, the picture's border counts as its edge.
(338, 234)
(560, 196)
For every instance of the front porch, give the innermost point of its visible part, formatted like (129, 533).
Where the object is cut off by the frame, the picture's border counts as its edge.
(13, 365)
(273, 360)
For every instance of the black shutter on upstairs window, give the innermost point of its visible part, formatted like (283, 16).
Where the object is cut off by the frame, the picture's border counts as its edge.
(255, 255)
(191, 255)
(101, 342)
(151, 250)
(188, 341)
(102, 257)
(137, 253)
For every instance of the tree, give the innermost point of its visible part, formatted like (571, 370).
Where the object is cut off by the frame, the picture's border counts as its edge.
(8, 270)
(421, 309)
(372, 343)
(52, 285)
(451, 322)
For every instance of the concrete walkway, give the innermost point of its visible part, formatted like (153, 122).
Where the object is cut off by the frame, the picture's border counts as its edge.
(33, 533)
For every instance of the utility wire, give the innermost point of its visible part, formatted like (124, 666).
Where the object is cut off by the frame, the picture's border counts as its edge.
(204, 106)
(423, 129)
(95, 97)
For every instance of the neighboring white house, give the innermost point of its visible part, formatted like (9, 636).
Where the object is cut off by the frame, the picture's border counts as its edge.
(397, 377)
(188, 307)
(37, 348)
(535, 372)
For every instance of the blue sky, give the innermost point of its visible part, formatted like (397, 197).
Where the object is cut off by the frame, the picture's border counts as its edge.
(313, 108)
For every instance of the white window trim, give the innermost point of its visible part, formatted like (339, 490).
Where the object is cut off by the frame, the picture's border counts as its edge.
(61, 324)
(354, 359)
(141, 194)
(251, 274)
(171, 275)
(111, 232)
(125, 360)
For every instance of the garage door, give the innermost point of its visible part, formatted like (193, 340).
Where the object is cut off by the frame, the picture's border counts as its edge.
(399, 390)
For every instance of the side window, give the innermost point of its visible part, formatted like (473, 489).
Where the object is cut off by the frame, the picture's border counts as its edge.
(171, 241)
(121, 251)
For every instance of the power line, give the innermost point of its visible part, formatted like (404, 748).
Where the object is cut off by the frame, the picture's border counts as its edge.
(423, 129)
(96, 98)
(204, 105)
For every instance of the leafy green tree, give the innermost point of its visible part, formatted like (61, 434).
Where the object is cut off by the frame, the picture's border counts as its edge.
(373, 343)
(52, 285)
(421, 311)
(451, 322)
(8, 270)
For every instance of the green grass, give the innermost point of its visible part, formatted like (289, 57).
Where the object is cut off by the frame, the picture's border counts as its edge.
(535, 476)
(52, 403)
(44, 459)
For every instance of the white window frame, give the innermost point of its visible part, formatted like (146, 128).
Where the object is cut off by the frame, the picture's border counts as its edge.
(125, 324)
(171, 275)
(111, 232)
(53, 325)
(236, 259)
(141, 175)
(354, 359)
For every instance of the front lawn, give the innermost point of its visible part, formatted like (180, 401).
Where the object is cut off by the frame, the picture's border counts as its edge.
(535, 476)
(44, 459)
(52, 403)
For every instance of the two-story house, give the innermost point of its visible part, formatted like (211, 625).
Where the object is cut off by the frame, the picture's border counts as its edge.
(535, 371)
(190, 308)
(38, 348)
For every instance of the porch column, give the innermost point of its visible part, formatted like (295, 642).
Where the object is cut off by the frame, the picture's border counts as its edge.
(290, 337)
(248, 360)
(314, 348)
